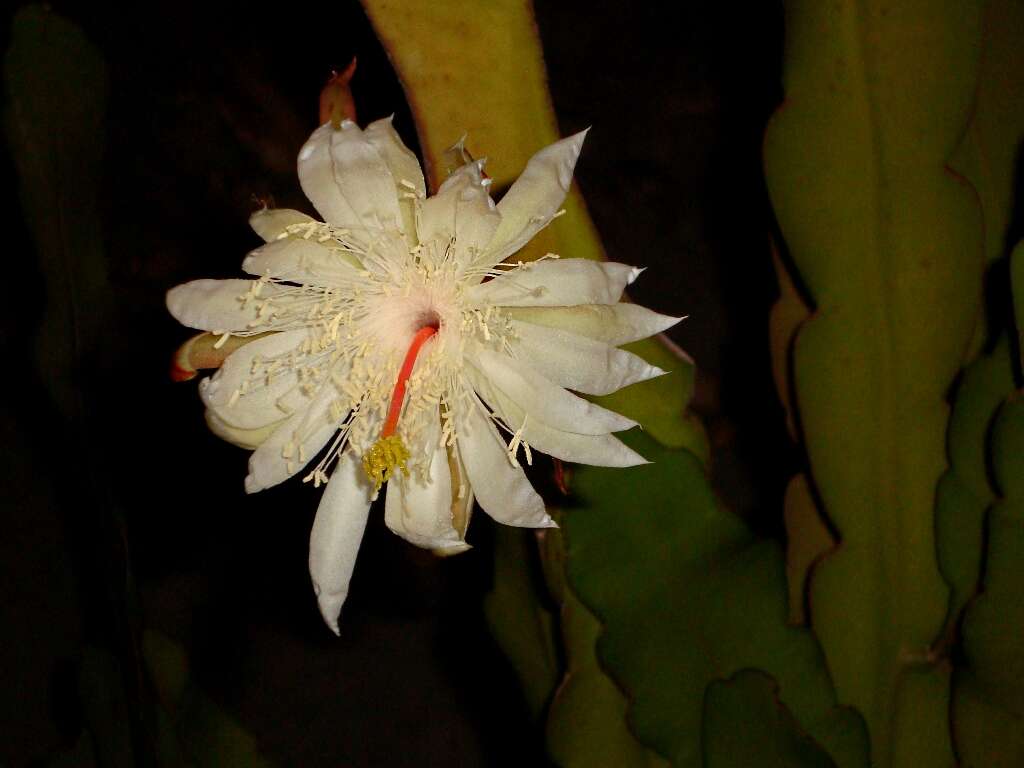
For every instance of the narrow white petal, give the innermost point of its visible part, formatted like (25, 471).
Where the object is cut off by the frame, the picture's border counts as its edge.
(272, 223)
(462, 209)
(596, 450)
(557, 283)
(318, 178)
(299, 438)
(437, 218)
(303, 261)
(535, 197)
(462, 496)
(475, 223)
(401, 161)
(217, 305)
(579, 363)
(337, 532)
(551, 403)
(249, 439)
(467, 175)
(614, 324)
(501, 488)
(245, 401)
(421, 513)
(405, 170)
(348, 182)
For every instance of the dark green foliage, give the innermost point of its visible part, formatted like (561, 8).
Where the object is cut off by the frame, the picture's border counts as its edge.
(688, 596)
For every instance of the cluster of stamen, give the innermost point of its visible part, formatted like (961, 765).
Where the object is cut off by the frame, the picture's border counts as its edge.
(313, 230)
(350, 347)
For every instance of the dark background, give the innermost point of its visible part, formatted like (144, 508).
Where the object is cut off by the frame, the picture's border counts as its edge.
(208, 107)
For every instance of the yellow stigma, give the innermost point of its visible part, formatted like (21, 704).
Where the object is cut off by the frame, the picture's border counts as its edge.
(380, 462)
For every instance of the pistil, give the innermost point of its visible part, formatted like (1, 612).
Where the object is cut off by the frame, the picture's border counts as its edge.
(389, 452)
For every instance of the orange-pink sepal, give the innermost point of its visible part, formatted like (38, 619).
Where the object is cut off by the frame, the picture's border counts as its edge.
(336, 102)
(204, 351)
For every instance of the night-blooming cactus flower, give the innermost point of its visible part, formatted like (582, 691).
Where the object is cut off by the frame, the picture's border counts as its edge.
(401, 343)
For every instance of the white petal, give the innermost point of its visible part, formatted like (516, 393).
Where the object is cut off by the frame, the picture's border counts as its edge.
(461, 209)
(579, 363)
(272, 223)
(614, 324)
(557, 283)
(249, 439)
(337, 532)
(462, 497)
(596, 450)
(535, 197)
(318, 178)
(501, 488)
(421, 513)
(470, 174)
(245, 401)
(552, 404)
(401, 161)
(348, 182)
(405, 170)
(302, 436)
(217, 305)
(302, 261)
(437, 218)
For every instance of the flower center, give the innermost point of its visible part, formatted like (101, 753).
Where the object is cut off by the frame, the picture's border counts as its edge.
(389, 452)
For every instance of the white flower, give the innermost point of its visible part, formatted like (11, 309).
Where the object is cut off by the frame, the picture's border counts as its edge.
(383, 345)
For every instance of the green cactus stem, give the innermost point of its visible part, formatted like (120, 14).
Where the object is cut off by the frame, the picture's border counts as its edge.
(889, 245)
